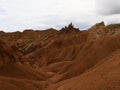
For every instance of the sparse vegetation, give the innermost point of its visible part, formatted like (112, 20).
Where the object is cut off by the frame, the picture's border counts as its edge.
(27, 48)
(112, 33)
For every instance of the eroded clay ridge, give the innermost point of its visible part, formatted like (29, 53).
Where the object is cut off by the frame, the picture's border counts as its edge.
(66, 59)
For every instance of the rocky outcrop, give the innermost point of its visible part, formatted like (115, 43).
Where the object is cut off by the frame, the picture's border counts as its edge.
(70, 29)
(97, 26)
(99, 30)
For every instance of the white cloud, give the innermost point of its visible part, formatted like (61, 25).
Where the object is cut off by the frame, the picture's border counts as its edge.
(21, 14)
(42, 14)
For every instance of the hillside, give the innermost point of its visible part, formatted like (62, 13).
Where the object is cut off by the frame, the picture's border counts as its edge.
(66, 59)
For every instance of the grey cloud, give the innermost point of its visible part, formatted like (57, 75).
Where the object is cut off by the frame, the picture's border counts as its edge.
(108, 7)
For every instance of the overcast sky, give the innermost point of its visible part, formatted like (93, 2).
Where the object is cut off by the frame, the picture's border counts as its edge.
(43, 14)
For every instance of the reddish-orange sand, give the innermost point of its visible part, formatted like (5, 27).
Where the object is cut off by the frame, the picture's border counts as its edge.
(66, 59)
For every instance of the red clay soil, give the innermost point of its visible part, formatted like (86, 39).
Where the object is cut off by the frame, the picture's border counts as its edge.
(68, 59)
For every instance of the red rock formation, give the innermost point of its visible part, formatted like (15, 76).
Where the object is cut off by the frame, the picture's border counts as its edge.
(68, 59)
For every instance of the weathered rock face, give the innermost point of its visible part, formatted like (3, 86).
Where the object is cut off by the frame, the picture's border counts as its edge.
(15, 76)
(27, 39)
(70, 29)
(52, 60)
(98, 25)
(99, 30)
(7, 55)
